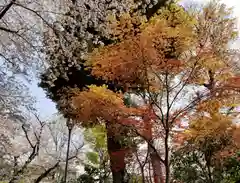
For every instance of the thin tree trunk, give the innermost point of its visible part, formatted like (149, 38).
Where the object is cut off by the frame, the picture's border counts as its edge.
(149, 170)
(142, 165)
(167, 168)
(208, 164)
(46, 173)
(209, 174)
(157, 166)
(155, 161)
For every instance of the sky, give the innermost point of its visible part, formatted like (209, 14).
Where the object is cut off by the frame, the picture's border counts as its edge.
(47, 108)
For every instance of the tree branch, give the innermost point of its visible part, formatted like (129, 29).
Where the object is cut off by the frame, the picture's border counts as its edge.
(8, 30)
(45, 174)
(151, 145)
(34, 153)
(27, 137)
(56, 32)
(5, 10)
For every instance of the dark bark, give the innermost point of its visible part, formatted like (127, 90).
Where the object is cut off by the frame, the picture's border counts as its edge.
(70, 126)
(142, 165)
(142, 174)
(46, 173)
(8, 30)
(15, 164)
(6, 8)
(167, 168)
(167, 130)
(34, 153)
(207, 156)
(211, 82)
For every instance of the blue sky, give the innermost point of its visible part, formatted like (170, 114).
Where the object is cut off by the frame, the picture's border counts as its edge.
(46, 107)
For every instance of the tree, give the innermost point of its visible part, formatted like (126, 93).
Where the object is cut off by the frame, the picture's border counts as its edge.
(21, 30)
(80, 37)
(209, 144)
(36, 150)
(66, 54)
(159, 60)
(205, 145)
(96, 164)
(128, 54)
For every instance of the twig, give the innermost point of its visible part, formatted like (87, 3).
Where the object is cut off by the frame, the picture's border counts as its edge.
(8, 30)
(5, 10)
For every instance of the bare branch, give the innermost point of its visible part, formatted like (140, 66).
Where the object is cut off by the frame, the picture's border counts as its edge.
(26, 135)
(150, 144)
(57, 33)
(31, 157)
(7, 59)
(46, 173)
(8, 30)
(5, 10)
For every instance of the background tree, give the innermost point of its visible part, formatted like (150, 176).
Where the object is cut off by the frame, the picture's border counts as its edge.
(97, 167)
(208, 145)
(36, 151)
(21, 33)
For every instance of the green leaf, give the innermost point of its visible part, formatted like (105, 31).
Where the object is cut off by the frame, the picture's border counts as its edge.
(93, 157)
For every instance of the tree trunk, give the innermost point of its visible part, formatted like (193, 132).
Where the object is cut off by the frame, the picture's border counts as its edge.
(116, 154)
(167, 168)
(155, 161)
(157, 166)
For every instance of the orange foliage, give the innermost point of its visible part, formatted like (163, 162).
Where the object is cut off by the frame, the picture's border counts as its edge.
(134, 61)
(233, 146)
(143, 127)
(209, 127)
(125, 62)
(233, 82)
(99, 103)
(126, 27)
(236, 136)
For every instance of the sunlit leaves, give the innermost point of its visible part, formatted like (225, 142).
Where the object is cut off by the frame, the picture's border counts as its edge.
(168, 54)
(215, 28)
(134, 61)
(99, 104)
(209, 127)
(128, 26)
(93, 157)
(96, 136)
